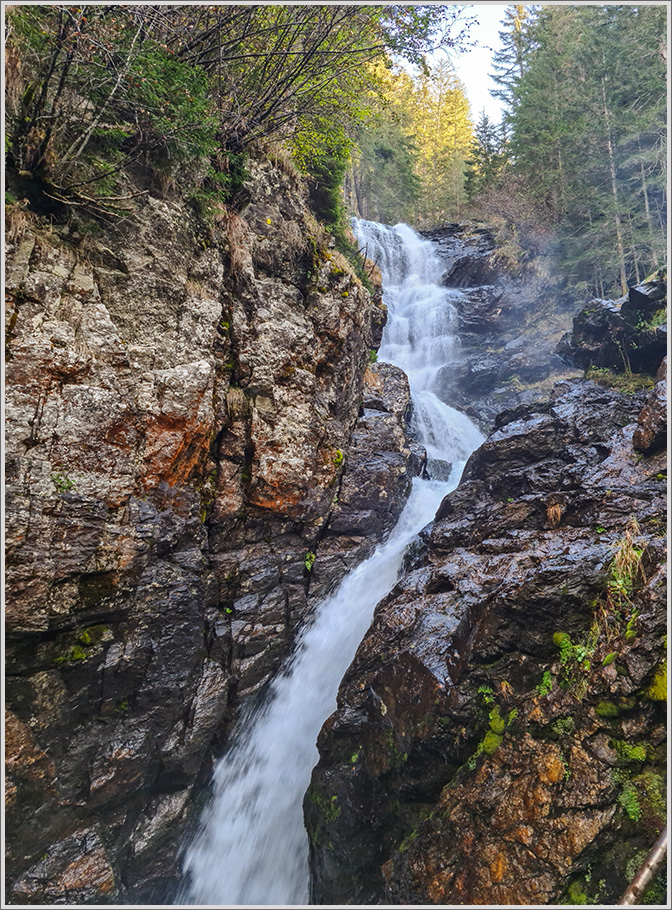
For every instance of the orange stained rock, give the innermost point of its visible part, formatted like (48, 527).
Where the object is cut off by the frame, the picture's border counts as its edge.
(498, 868)
(173, 449)
(438, 887)
(23, 756)
(523, 834)
(551, 769)
(91, 871)
(373, 381)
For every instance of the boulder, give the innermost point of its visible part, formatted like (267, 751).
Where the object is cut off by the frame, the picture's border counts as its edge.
(624, 335)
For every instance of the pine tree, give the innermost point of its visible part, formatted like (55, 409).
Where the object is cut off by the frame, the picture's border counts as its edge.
(488, 156)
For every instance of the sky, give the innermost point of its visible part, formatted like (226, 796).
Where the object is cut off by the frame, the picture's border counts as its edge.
(473, 67)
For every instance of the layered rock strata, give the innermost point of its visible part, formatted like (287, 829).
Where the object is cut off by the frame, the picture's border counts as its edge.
(181, 395)
(500, 734)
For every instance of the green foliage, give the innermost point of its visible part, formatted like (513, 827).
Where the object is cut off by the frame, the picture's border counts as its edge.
(563, 726)
(338, 458)
(628, 797)
(486, 694)
(629, 384)
(308, 560)
(63, 483)
(488, 158)
(101, 88)
(607, 709)
(373, 356)
(587, 134)
(546, 685)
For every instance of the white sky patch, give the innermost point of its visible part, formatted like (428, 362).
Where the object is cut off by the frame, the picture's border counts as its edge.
(474, 66)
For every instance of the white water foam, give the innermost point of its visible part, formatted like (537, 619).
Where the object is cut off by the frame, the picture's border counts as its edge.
(252, 848)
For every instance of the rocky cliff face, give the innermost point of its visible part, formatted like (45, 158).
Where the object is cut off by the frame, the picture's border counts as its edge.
(500, 735)
(181, 400)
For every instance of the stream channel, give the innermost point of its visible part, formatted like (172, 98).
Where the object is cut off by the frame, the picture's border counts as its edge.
(251, 847)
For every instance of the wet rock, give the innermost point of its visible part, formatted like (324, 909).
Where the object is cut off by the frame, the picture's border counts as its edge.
(484, 735)
(380, 465)
(76, 870)
(651, 433)
(629, 334)
(510, 321)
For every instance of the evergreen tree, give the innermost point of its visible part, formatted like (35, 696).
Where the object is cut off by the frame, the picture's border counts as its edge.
(488, 156)
(587, 119)
(516, 42)
(443, 134)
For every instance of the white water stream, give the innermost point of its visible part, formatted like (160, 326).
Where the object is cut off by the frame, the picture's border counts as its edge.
(252, 848)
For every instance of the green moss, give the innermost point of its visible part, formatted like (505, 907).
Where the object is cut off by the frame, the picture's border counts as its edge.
(338, 457)
(628, 753)
(308, 560)
(563, 726)
(407, 841)
(75, 653)
(497, 723)
(652, 787)
(561, 639)
(491, 742)
(609, 659)
(657, 689)
(607, 709)
(333, 810)
(576, 894)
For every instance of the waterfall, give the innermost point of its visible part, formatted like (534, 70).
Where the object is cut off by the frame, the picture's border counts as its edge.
(252, 847)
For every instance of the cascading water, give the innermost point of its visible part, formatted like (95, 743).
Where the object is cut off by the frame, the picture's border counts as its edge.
(252, 847)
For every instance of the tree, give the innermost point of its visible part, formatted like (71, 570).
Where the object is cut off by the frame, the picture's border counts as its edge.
(488, 157)
(587, 122)
(97, 88)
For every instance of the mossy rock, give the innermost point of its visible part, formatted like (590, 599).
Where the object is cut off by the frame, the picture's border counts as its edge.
(491, 742)
(657, 690)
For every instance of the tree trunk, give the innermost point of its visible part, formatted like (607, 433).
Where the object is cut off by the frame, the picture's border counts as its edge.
(614, 191)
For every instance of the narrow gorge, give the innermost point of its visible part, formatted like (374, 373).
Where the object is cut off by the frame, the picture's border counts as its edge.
(335, 547)
(201, 446)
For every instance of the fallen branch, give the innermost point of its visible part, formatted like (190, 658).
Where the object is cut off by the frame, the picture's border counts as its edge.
(647, 871)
